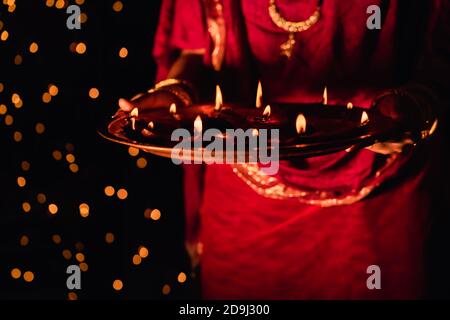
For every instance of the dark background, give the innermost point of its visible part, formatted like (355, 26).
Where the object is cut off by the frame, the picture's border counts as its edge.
(71, 120)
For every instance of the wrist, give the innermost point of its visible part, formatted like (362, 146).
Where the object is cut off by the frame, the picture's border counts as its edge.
(181, 89)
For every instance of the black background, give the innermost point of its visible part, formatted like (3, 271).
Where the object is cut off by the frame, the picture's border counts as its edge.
(72, 117)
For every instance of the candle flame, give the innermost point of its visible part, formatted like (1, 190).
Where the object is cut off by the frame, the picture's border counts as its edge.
(364, 118)
(134, 112)
(198, 125)
(259, 95)
(255, 132)
(325, 96)
(219, 100)
(173, 108)
(300, 124)
(349, 105)
(267, 111)
(433, 127)
(151, 125)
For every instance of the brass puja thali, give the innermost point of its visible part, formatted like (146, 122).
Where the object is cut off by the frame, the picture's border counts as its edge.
(304, 130)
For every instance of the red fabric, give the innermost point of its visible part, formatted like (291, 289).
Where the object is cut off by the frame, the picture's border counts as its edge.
(254, 247)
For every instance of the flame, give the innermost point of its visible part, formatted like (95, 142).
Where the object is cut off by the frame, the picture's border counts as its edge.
(433, 127)
(219, 100)
(255, 132)
(267, 111)
(151, 125)
(198, 125)
(259, 95)
(349, 105)
(300, 124)
(134, 112)
(173, 108)
(364, 118)
(325, 96)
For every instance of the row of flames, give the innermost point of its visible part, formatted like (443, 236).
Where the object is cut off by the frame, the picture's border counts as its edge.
(300, 122)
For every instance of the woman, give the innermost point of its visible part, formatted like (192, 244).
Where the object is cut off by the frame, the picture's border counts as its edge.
(315, 230)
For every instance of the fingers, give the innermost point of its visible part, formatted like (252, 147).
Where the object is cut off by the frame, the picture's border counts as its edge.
(387, 148)
(125, 105)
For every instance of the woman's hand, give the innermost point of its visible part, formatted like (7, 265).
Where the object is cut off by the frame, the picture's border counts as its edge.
(406, 113)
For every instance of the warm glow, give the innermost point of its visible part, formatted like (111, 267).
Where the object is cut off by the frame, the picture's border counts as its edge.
(267, 111)
(134, 112)
(182, 277)
(24, 240)
(28, 276)
(151, 125)
(3, 109)
(72, 296)
(94, 93)
(255, 132)
(122, 194)
(4, 35)
(74, 167)
(198, 125)
(117, 6)
(57, 155)
(364, 118)
(67, 254)
(84, 266)
(53, 90)
(17, 136)
(40, 128)
(109, 237)
(137, 259)
(155, 214)
(84, 210)
(173, 108)
(9, 120)
(219, 99)
(325, 96)
(56, 238)
(109, 191)
(132, 151)
(259, 95)
(433, 127)
(143, 252)
(53, 208)
(80, 48)
(26, 207)
(21, 182)
(46, 97)
(80, 257)
(166, 289)
(123, 53)
(117, 285)
(300, 124)
(41, 198)
(25, 165)
(18, 59)
(70, 158)
(16, 273)
(141, 163)
(34, 47)
(349, 105)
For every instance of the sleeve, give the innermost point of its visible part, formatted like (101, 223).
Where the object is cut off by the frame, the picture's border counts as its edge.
(181, 26)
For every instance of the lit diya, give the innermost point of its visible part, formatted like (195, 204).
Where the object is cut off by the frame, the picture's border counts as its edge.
(304, 129)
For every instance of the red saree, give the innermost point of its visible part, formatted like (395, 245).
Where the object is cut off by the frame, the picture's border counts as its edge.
(253, 246)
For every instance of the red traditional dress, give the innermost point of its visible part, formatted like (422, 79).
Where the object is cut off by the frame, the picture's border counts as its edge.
(327, 218)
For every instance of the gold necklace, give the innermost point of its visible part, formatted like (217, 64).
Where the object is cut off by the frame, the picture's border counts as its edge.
(291, 27)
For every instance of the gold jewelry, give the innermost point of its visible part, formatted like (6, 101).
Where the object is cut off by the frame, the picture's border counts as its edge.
(182, 89)
(292, 27)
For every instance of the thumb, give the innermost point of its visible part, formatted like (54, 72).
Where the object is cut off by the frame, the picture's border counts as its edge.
(125, 105)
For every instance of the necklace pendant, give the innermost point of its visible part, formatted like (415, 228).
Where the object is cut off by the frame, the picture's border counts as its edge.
(287, 47)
